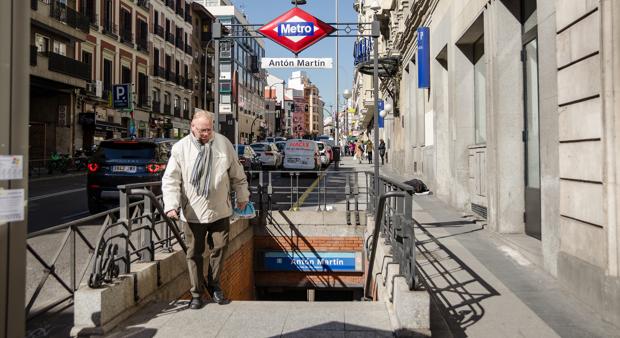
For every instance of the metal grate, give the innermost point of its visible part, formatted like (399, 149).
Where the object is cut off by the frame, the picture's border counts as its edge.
(479, 210)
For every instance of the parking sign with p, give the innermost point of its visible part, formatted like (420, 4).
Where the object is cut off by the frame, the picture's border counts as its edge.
(121, 96)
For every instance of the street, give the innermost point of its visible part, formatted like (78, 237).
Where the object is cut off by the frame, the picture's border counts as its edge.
(56, 200)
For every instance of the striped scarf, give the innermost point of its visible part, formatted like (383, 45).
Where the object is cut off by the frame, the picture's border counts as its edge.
(201, 176)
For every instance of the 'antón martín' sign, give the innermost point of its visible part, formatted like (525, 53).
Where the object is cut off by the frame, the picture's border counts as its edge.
(314, 63)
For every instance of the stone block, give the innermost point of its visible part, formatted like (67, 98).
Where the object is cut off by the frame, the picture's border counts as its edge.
(569, 11)
(588, 72)
(170, 265)
(582, 201)
(581, 120)
(412, 310)
(579, 40)
(576, 239)
(94, 308)
(146, 276)
(582, 161)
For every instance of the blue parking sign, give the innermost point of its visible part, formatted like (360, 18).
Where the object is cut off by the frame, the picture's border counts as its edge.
(121, 96)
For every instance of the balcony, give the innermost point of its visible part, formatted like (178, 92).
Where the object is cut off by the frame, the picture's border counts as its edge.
(177, 111)
(144, 4)
(188, 17)
(159, 30)
(189, 84)
(68, 66)
(180, 80)
(179, 42)
(143, 101)
(188, 49)
(156, 106)
(142, 43)
(186, 114)
(170, 3)
(69, 16)
(33, 55)
(110, 29)
(127, 38)
(167, 109)
(158, 72)
(170, 37)
(170, 76)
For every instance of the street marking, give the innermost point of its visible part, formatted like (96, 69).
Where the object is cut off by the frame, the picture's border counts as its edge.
(76, 214)
(36, 198)
(306, 193)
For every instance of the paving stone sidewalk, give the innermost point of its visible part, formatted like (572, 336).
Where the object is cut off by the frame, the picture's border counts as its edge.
(482, 286)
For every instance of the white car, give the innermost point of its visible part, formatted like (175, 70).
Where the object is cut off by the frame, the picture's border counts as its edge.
(301, 155)
(268, 154)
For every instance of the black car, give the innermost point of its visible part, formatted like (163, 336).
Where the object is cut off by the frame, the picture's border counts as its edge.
(248, 158)
(124, 161)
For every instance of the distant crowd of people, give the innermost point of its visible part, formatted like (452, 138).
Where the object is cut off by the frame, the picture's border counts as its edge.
(361, 150)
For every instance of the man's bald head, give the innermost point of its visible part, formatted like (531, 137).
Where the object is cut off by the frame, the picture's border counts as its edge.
(202, 125)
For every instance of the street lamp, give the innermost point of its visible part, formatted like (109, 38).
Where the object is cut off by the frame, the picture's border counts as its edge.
(387, 108)
(347, 95)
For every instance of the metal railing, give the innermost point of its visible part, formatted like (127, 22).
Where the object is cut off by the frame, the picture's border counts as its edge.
(395, 225)
(309, 190)
(105, 244)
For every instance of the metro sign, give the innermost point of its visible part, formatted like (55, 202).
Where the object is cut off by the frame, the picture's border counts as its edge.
(296, 30)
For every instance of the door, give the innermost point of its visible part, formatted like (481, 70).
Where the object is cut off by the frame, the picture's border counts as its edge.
(531, 139)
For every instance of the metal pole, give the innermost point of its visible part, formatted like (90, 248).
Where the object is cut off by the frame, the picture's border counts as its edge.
(14, 115)
(337, 136)
(375, 89)
(217, 35)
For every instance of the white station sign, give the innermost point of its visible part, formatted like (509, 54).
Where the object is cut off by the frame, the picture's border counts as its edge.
(313, 63)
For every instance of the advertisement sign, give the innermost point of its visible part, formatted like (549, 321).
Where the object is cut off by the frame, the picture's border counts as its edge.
(424, 58)
(312, 63)
(296, 30)
(312, 261)
(362, 50)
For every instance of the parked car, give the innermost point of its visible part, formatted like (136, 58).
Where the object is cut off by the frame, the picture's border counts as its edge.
(326, 154)
(269, 154)
(248, 158)
(281, 145)
(302, 155)
(124, 161)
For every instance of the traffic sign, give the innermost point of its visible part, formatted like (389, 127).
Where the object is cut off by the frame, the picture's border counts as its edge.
(121, 96)
(296, 30)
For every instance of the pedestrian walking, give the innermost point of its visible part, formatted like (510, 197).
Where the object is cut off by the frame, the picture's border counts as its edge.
(352, 148)
(202, 170)
(369, 151)
(359, 152)
(382, 150)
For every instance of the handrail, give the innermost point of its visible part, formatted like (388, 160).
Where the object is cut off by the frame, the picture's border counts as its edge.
(375, 235)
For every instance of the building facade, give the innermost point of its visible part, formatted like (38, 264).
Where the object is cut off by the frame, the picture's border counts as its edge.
(242, 83)
(172, 57)
(203, 48)
(519, 125)
(58, 77)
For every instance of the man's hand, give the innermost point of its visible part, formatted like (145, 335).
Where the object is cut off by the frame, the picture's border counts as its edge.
(172, 214)
(241, 205)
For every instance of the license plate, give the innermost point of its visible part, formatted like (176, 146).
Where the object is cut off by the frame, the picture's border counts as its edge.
(124, 168)
(293, 160)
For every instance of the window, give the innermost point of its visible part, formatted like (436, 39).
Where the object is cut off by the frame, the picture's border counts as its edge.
(185, 104)
(60, 48)
(42, 43)
(167, 98)
(480, 92)
(177, 101)
(107, 74)
(125, 75)
(87, 58)
(156, 95)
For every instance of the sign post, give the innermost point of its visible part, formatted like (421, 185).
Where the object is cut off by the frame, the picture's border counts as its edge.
(424, 68)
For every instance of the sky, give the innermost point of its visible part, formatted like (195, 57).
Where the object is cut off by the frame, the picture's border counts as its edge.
(263, 11)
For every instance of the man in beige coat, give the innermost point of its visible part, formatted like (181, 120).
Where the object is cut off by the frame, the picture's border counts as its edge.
(202, 170)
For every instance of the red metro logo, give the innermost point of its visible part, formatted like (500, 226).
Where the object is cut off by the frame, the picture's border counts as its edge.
(296, 30)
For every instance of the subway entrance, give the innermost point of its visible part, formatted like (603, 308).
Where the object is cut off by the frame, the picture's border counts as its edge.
(309, 294)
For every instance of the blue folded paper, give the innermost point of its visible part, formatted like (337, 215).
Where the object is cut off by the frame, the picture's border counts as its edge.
(248, 212)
